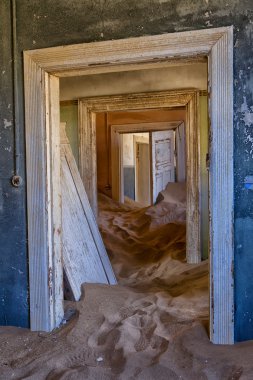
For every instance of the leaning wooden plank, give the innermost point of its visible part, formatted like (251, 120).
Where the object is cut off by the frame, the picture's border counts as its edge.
(84, 255)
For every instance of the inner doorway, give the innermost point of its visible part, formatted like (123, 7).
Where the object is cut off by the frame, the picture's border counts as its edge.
(110, 128)
(164, 101)
(151, 160)
(121, 124)
(143, 240)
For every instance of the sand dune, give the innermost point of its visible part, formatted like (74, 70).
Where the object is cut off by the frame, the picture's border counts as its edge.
(153, 325)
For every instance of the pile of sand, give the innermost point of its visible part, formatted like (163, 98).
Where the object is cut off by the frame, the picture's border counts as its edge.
(174, 192)
(150, 326)
(147, 250)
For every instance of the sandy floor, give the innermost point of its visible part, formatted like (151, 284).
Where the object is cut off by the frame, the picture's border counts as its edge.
(153, 325)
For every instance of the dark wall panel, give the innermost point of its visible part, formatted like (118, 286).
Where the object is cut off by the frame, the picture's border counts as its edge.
(13, 253)
(50, 23)
(6, 88)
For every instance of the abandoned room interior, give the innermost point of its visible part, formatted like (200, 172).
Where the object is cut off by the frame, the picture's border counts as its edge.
(126, 189)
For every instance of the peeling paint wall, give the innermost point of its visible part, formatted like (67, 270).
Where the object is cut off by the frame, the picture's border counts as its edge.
(51, 23)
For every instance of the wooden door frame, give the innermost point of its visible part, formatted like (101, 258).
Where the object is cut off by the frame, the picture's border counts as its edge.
(42, 69)
(89, 107)
(116, 148)
(116, 130)
(116, 159)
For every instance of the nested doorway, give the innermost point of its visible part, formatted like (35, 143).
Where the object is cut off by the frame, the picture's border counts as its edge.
(90, 107)
(158, 157)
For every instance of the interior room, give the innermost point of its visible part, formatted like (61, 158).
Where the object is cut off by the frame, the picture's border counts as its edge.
(144, 227)
(126, 190)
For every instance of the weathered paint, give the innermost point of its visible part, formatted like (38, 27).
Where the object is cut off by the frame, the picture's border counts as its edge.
(50, 23)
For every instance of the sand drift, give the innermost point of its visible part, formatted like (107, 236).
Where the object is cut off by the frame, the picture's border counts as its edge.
(153, 325)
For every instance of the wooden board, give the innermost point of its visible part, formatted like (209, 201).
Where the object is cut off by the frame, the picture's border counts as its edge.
(84, 255)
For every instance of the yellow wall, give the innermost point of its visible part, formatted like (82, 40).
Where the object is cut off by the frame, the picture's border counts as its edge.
(69, 115)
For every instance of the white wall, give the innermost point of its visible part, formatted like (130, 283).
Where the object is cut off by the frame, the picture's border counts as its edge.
(128, 147)
(168, 78)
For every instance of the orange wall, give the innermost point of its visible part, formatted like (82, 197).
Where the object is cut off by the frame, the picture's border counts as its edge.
(103, 152)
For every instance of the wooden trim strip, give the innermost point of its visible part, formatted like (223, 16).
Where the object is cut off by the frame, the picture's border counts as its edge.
(124, 51)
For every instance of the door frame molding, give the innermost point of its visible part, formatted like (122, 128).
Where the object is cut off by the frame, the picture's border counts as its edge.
(117, 191)
(89, 107)
(42, 69)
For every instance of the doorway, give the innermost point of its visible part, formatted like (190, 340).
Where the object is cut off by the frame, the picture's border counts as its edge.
(151, 160)
(89, 108)
(42, 71)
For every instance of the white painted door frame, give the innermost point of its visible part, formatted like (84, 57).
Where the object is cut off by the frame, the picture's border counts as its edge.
(42, 69)
(116, 150)
(117, 162)
(88, 107)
